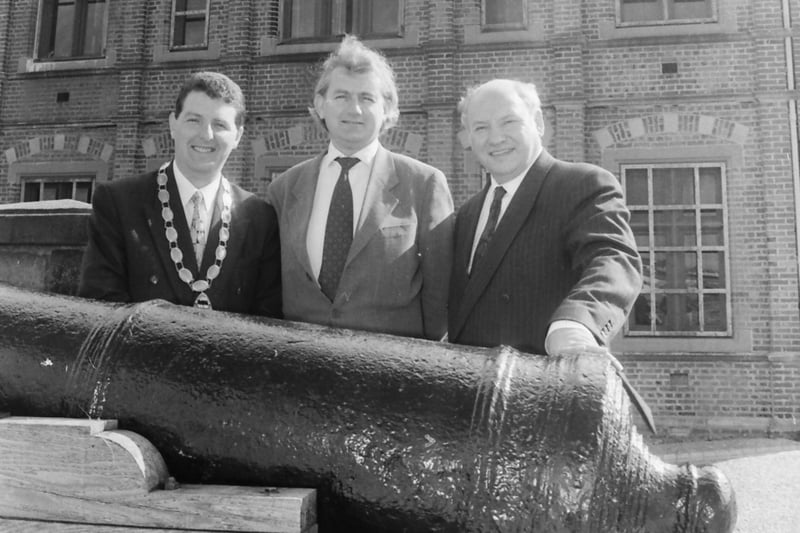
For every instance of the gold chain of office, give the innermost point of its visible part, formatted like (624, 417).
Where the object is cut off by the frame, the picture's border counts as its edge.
(199, 286)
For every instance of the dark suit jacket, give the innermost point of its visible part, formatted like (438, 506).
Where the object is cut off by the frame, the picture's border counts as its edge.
(563, 250)
(127, 259)
(397, 273)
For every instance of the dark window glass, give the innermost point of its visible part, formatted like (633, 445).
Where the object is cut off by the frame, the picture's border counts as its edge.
(31, 192)
(712, 229)
(641, 228)
(715, 312)
(189, 26)
(665, 10)
(504, 14)
(83, 192)
(673, 186)
(636, 187)
(710, 185)
(329, 19)
(676, 312)
(49, 188)
(377, 17)
(71, 29)
(683, 244)
(674, 228)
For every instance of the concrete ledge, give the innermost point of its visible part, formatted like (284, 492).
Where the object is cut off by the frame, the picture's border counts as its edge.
(42, 243)
(56, 222)
(714, 451)
(685, 427)
(61, 206)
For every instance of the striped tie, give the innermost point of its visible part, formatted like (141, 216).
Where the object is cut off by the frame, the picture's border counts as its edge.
(197, 228)
(491, 224)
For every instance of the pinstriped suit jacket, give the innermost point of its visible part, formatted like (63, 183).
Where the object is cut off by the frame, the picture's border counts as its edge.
(563, 250)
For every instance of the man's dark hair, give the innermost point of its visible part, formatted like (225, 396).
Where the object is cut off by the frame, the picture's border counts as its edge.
(214, 85)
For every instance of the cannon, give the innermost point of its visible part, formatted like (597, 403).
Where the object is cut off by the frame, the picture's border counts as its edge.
(397, 434)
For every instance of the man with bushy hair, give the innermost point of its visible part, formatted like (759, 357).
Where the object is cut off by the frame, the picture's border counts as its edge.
(366, 233)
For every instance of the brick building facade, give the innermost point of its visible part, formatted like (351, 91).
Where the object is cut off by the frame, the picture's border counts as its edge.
(692, 103)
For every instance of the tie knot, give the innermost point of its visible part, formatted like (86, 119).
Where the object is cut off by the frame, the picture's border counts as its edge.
(499, 192)
(347, 162)
(197, 198)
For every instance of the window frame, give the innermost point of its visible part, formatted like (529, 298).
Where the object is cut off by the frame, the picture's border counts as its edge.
(74, 178)
(507, 26)
(732, 154)
(78, 30)
(698, 248)
(189, 12)
(666, 21)
(479, 33)
(340, 22)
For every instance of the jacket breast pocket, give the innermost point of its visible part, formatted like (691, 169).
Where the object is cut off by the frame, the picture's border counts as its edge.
(395, 263)
(397, 241)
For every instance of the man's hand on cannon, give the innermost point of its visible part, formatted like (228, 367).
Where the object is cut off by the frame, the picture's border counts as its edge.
(565, 339)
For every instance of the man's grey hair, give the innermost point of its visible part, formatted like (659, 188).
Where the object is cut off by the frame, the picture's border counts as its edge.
(526, 91)
(358, 58)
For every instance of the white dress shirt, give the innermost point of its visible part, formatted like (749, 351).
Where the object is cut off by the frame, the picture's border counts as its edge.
(511, 187)
(328, 176)
(186, 190)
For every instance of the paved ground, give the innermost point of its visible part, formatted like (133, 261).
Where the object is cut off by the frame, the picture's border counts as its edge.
(765, 474)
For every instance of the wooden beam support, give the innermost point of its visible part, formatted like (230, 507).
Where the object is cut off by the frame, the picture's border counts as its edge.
(88, 475)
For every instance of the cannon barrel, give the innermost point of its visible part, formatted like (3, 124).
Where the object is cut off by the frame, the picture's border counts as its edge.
(396, 434)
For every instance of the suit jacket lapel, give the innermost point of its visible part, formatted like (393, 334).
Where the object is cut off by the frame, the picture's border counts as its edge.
(509, 226)
(299, 212)
(467, 224)
(155, 222)
(379, 201)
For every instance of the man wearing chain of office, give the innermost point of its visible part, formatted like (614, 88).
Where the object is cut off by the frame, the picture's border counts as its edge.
(185, 233)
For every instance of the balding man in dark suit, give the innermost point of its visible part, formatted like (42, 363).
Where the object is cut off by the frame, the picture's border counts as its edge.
(545, 260)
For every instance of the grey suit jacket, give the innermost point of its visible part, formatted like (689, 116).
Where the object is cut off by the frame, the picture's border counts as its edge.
(563, 250)
(396, 276)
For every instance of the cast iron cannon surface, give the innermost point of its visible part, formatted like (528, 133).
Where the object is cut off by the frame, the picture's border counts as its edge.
(396, 434)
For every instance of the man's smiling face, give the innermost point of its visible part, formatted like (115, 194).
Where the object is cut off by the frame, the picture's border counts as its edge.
(205, 133)
(504, 132)
(353, 108)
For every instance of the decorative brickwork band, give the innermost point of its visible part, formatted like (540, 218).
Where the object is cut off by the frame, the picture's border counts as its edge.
(59, 142)
(627, 130)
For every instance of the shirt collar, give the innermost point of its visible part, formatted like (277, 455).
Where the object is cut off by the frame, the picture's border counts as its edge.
(366, 155)
(510, 186)
(186, 189)
(513, 184)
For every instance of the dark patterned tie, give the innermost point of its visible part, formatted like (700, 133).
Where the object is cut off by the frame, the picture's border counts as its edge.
(338, 230)
(491, 224)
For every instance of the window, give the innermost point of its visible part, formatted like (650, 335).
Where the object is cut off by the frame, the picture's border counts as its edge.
(70, 29)
(665, 11)
(678, 216)
(330, 19)
(504, 21)
(189, 24)
(37, 188)
(273, 173)
(502, 15)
